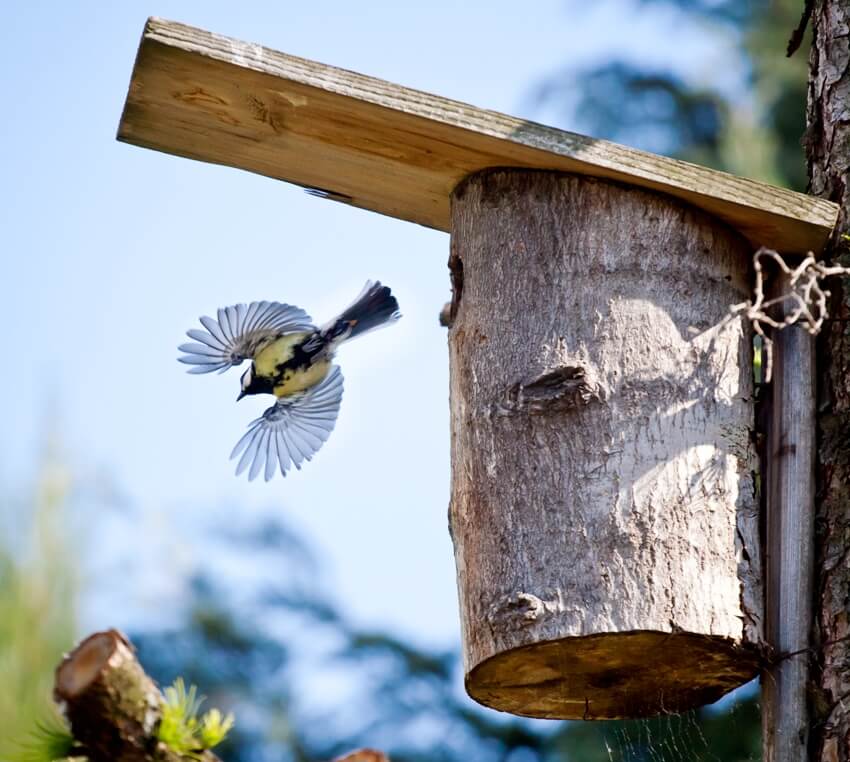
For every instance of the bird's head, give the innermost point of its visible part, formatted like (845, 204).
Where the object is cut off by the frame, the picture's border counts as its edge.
(252, 384)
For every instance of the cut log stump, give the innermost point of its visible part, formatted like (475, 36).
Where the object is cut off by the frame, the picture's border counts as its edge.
(113, 707)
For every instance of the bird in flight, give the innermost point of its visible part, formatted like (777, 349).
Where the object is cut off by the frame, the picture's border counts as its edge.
(291, 359)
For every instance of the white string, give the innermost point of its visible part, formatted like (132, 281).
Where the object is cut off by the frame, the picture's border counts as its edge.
(804, 292)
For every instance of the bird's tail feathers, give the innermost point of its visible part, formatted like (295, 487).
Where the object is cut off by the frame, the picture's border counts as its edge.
(374, 308)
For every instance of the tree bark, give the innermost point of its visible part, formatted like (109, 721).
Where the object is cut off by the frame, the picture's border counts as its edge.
(828, 151)
(603, 508)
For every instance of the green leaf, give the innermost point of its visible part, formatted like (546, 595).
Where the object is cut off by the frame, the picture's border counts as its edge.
(214, 728)
(180, 727)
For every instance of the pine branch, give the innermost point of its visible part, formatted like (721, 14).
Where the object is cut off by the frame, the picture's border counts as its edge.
(800, 32)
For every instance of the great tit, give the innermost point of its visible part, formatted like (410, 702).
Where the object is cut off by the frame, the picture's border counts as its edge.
(291, 359)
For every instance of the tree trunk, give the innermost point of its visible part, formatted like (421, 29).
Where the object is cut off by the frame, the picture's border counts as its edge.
(828, 149)
(603, 508)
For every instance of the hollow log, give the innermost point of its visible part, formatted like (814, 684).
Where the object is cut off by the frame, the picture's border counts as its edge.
(603, 506)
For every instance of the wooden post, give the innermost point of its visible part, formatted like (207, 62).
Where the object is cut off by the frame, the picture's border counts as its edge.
(789, 547)
(603, 508)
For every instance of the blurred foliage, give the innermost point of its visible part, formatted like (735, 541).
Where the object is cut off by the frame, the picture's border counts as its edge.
(754, 132)
(307, 685)
(738, 12)
(50, 740)
(37, 605)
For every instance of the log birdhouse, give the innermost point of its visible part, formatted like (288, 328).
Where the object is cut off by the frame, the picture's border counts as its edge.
(603, 512)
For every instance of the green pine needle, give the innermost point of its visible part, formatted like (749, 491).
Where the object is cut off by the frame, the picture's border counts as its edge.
(180, 727)
(50, 741)
(214, 728)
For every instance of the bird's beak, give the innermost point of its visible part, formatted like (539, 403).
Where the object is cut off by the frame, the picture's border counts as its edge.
(241, 395)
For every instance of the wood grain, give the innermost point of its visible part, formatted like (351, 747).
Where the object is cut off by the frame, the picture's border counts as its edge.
(394, 150)
(789, 548)
(603, 510)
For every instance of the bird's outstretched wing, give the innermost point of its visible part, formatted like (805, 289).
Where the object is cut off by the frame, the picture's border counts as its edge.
(236, 334)
(291, 430)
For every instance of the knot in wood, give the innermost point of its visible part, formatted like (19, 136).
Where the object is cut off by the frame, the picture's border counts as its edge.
(560, 390)
(522, 610)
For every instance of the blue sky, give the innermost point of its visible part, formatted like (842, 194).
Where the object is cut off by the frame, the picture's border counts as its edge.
(110, 252)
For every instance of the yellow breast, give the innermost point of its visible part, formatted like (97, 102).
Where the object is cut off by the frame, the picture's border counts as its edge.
(299, 380)
(276, 353)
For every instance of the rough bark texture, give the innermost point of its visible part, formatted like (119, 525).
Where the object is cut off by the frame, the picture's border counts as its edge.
(603, 508)
(113, 707)
(828, 148)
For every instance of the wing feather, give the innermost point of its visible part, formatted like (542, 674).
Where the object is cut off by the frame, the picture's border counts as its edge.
(250, 450)
(303, 446)
(259, 455)
(283, 457)
(203, 336)
(196, 348)
(290, 455)
(271, 456)
(237, 331)
(215, 329)
(253, 307)
(291, 431)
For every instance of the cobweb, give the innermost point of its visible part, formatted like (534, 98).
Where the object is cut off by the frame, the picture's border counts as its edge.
(666, 739)
(729, 731)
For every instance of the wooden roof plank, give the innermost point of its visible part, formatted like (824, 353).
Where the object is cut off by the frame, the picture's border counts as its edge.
(399, 151)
